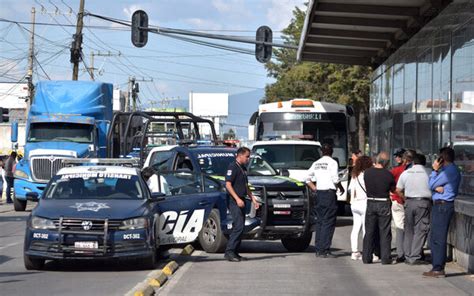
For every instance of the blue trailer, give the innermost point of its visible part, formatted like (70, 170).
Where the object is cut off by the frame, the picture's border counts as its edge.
(67, 119)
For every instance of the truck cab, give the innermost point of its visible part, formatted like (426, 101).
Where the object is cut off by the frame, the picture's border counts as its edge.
(67, 119)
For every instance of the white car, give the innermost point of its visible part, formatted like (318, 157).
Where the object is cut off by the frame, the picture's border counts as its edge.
(296, 157)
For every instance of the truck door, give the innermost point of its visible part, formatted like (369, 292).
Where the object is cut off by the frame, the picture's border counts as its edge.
(189, 199)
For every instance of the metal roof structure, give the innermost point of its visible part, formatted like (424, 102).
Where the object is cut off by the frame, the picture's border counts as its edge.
(362, 32)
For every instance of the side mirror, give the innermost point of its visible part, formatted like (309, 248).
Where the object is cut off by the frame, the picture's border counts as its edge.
(158, 196)
(284, 172)
(33, 196)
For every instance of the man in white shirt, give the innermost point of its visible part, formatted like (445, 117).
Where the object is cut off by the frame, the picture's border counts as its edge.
(413, 187)
(323, 179)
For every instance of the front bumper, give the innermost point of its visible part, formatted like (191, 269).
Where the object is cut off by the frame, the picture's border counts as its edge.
(22, 187)
(115, 244)
(282, 214)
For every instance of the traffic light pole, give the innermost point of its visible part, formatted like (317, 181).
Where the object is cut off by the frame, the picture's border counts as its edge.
(215, 36)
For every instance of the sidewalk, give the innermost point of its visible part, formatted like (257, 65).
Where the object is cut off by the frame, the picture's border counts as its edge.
(271, 270)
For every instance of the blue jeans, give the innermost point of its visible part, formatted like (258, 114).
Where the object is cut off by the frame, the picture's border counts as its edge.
(326, 214)
(441, 215)
(10, 181)
(238, 220)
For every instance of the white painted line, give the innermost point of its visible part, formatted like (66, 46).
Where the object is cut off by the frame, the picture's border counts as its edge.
(8, 245)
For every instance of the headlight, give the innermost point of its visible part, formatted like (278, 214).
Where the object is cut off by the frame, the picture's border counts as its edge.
(135, 223)
(20, 174)
(42, 223)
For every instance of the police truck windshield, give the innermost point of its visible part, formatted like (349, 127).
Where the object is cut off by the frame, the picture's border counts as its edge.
(94, 185)
(60, 132)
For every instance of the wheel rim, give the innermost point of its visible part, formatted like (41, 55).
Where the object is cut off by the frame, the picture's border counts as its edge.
(210, 231)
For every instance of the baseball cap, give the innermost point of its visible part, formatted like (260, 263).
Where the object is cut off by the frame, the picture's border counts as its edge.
(399, 152)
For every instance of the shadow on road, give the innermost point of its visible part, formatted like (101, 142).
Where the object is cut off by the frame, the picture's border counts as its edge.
(202, 259)
(69, 265)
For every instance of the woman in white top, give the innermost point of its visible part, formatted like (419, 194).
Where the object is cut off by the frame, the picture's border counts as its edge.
(358, 202)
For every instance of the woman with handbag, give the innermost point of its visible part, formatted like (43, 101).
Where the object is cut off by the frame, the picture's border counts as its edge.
(358, 202)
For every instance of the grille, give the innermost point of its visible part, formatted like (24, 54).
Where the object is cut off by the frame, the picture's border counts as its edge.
(44, 168)
(97, 225)
(285, 194)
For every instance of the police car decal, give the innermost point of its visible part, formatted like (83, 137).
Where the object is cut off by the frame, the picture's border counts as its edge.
(90, 206)
(86, 176)
(176, 228)
(215, 154)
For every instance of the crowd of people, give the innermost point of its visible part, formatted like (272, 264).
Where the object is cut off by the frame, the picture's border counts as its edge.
(417, 201)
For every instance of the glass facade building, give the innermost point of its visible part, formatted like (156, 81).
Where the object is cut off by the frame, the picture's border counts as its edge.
(422, 97)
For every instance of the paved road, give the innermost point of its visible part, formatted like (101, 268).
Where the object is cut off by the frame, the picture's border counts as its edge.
(272, 271)
(70, 278)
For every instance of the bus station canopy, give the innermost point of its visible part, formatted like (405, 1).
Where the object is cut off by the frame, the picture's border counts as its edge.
(362, 32)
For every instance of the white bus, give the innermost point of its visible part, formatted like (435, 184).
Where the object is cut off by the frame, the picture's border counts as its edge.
(305, 119)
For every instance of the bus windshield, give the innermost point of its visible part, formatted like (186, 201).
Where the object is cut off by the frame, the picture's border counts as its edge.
(328, 128)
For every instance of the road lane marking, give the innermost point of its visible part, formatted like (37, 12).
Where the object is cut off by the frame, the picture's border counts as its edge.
(8, 245)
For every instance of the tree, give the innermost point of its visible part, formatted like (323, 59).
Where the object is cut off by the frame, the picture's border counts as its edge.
(318, 81)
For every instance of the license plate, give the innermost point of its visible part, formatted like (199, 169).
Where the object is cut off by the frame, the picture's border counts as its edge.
(282, 212)
(86, 245)
(282, 206)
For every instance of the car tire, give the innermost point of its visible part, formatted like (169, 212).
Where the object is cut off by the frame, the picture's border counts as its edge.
(297, 244)
(19, 205)
(211, 238)
(33, 263)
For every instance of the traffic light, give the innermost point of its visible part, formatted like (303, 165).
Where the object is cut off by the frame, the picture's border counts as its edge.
(4, 115)
(263, 52)
(139, 34)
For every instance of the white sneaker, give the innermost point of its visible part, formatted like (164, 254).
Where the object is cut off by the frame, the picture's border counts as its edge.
(375, 259)
(356, 256)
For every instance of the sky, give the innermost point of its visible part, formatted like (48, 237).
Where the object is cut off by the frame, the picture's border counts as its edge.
(171, 68)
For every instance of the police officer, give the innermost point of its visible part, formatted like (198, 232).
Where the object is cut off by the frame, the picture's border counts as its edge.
(413, 186)
(324, 173)
(236, 183)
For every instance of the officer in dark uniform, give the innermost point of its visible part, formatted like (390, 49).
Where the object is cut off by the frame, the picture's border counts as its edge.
(236, 183)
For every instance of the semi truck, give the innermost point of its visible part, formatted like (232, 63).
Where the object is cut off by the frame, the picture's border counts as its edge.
(67, 119)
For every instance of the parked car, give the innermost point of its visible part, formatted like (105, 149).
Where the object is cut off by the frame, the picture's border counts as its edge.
(107, 212)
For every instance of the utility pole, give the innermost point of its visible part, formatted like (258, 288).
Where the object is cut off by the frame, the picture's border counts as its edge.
(131, 83)
(31, 57)
(76, 46)
(100, 54)
(133, 90)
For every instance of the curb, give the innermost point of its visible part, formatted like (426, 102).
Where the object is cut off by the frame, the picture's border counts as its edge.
(158, 278)
(170, 268)
(188, 250)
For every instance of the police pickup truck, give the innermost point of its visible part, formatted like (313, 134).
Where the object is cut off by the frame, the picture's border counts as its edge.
(107, 212)
(284, 213)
